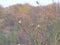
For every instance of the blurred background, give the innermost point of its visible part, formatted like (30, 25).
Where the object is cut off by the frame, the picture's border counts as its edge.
(29, 22)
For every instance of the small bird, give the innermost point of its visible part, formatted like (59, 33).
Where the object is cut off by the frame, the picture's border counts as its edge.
(37, 2)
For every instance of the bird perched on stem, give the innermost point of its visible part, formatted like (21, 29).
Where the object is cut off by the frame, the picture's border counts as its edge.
(37, 2)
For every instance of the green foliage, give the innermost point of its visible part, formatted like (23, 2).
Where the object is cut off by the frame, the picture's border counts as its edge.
(3, 39)
(13, 38)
